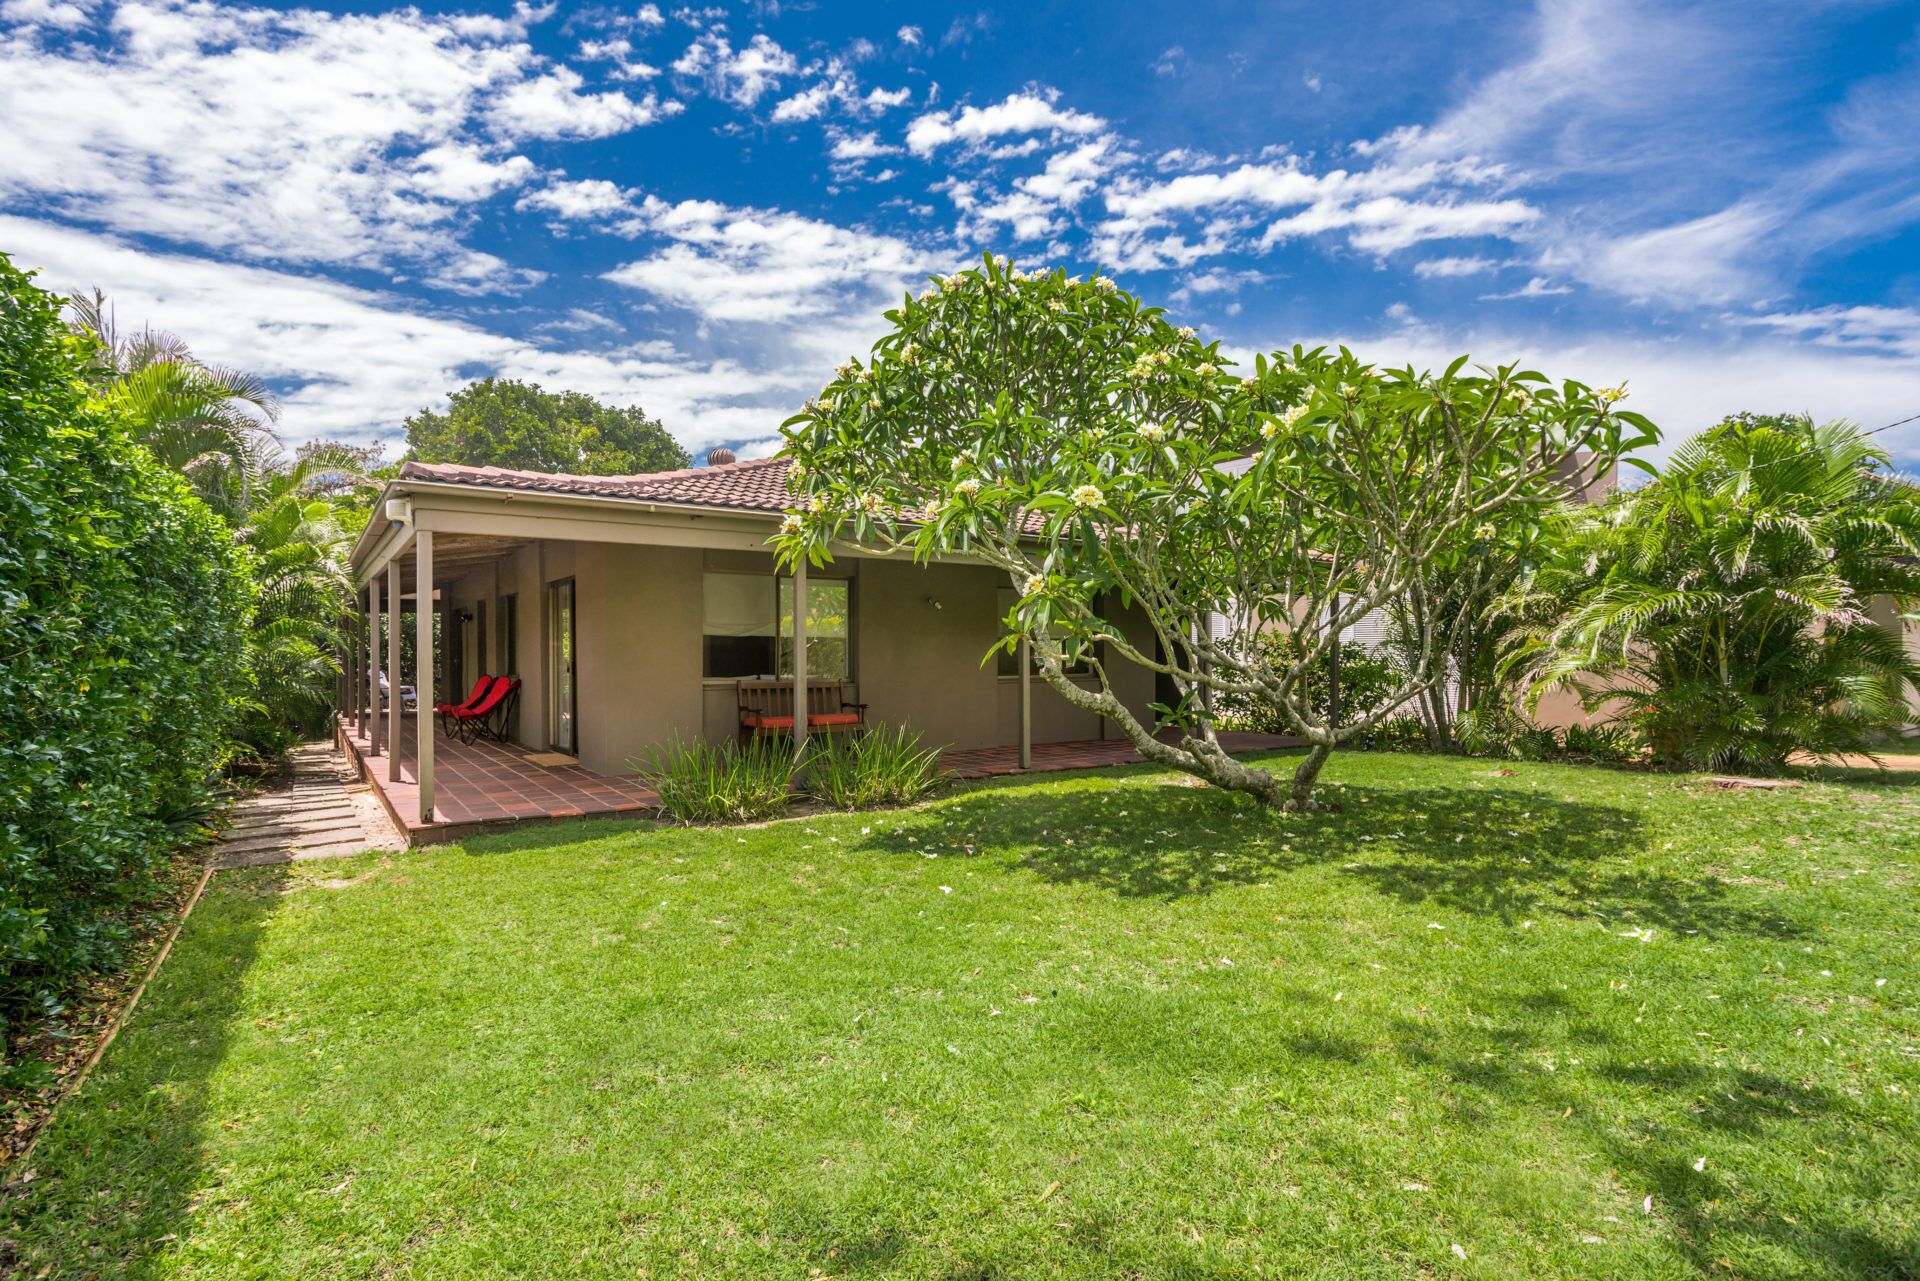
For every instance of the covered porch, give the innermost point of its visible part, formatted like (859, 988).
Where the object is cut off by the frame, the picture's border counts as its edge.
(484, 785)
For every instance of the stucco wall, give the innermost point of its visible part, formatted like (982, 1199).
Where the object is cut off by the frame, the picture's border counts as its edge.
(639, 653)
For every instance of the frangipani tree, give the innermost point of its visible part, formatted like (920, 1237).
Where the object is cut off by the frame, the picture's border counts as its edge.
(1071, 437)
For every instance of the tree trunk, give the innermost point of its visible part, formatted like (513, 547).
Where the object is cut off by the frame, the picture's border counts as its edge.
(1300, 794)
(1193, 755)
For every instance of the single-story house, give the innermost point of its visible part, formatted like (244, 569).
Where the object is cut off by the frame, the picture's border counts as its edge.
(631, 608)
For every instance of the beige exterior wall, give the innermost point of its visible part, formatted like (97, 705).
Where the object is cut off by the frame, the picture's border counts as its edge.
(919, 635)
(1886, 614)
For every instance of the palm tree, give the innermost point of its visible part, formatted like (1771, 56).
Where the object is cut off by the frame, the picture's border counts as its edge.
(1725, 605)
(210, 423)
(300, 548)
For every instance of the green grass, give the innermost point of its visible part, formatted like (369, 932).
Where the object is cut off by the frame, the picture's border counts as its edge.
(1099, 1025)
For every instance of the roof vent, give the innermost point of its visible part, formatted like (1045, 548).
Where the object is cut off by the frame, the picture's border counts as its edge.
(720, 457)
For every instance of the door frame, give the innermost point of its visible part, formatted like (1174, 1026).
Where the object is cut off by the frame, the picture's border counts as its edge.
(553, 663)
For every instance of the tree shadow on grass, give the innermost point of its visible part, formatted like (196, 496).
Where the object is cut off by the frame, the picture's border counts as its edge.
(1529, 1050)
(1502, 853)
(118, 1171)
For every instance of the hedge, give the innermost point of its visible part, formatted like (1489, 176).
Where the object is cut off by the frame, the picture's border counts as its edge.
(124, 604)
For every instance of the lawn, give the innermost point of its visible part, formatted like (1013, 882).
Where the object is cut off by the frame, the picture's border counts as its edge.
(1534, 1021)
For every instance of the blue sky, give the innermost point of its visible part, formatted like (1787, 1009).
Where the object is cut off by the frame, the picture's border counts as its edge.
(701, 209)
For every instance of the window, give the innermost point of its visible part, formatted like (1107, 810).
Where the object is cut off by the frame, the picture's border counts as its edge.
(827, 615)
(749, 627)
(739, 625)
(1010, 660)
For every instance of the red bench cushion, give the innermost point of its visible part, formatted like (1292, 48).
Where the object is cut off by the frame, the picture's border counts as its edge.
(759, 720)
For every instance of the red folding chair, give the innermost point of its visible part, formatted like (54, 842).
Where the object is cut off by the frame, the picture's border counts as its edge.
(488, 717)
(481, 688)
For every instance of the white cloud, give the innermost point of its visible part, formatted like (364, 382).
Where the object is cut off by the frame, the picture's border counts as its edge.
(292, 136)
(1887, 331)
(579, 320)
(1033, 209)
(879, 101)
(355, 363)
(910, 35)
(1381, 210)
(1688, 384)
(1218, 280)
(1710, 260)
(861, 146)
(804, 105)
(1447, 268)
(552, 106)
(768, 266)
(1033, 111)
(1387, 223)
(740, 78)
(463, 173)
(588, 198)
(1169, 61)
(1537, 287)
(48, 13)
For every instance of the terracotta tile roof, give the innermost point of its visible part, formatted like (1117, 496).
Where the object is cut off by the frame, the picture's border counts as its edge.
(757, 486)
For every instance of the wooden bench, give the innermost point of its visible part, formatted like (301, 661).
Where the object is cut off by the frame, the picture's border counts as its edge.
(766, 709)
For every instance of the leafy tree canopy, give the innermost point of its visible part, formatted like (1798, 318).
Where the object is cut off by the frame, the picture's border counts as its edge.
(502, 422)
(1107, 461)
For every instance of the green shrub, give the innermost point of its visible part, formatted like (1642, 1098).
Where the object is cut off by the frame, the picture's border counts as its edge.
(1724, 606)
(123, 608)
(1406, 733)
(1606, 744)
(886, 766)
(1499, 731)
(700, 783)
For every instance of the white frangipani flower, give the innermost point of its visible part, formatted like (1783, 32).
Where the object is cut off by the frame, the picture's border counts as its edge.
(1035, 584)
(967, 488)
(1087, 496)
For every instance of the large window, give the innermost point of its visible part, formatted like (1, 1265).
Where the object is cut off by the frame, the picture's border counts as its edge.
(748, 631)
(828, 602)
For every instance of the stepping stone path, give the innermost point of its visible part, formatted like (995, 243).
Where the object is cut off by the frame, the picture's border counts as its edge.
(323, 812)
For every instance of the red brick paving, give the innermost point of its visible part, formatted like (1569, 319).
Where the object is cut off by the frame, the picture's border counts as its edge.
(478, 785)
(484, 783)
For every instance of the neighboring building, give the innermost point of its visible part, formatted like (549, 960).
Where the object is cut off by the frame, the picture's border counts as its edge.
(1886, 614)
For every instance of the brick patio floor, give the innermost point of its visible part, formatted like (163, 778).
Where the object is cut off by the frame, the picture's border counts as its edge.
(487, 785)
(478, 785)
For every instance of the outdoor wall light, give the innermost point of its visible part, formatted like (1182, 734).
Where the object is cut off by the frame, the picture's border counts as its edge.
(399, 510)
(935, 602)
